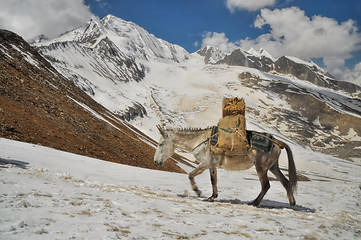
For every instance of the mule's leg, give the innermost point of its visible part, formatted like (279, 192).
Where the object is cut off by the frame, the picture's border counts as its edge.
(198, 170)
(263, 178)
(213, 173)
(279, 175)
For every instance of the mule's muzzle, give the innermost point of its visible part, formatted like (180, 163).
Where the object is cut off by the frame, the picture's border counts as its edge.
(158, 163)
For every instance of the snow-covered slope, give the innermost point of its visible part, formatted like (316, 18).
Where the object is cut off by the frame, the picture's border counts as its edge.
(49, 194)
(100, 71)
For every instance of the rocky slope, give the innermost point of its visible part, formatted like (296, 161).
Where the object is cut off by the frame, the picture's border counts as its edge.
(261, 60)
(38, 105)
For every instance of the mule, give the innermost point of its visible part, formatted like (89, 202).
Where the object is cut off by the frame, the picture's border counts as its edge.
(197, 142)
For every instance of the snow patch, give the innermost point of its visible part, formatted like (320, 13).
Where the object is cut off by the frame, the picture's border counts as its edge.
(352, 135)
(94, 113)
(26, 56)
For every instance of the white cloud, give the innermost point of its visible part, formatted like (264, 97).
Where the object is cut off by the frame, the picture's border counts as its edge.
(293, 33)
(250, 5)
(350, 75)
(354, 75)
(30, 18)
(218, 40)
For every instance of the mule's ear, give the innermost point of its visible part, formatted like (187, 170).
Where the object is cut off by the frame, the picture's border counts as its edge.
(161, 130)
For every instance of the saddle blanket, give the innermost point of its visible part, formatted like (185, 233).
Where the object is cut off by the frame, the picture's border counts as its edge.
(261, 141)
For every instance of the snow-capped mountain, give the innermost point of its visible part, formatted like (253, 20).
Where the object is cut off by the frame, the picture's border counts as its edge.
(243, 58)
(134, 41)
(103, 55)
(150, 81)
(260, 53)
(211, 54)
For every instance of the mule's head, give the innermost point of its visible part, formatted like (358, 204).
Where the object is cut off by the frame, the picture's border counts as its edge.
(165, 147)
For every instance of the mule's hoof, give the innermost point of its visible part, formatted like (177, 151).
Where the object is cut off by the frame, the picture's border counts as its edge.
(292, 202)
(253, 203)
(198, 193)
(210, 199)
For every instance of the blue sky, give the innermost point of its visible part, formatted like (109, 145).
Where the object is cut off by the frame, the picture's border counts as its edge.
(327, 31)
(181, 22)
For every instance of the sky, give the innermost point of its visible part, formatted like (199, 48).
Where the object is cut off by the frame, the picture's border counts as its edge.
(327, 31)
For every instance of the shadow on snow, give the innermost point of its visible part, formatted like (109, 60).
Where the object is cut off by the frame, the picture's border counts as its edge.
(16, 163)
(266, 204)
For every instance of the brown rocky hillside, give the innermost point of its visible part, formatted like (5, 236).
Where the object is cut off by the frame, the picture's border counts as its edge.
(38, 105)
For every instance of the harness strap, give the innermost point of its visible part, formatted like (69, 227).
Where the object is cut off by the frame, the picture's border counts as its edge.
(201, 143)
(275, 141)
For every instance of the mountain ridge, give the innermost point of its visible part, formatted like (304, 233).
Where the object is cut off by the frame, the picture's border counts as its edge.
(262, 60)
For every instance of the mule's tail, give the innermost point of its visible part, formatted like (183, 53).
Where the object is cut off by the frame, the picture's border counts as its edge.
(292, 175)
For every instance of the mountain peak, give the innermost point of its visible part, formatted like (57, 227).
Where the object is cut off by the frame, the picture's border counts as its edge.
(211, 54)
(110, 20)
(108, 17)
(38, 39)
(260, 53)
(133, 40)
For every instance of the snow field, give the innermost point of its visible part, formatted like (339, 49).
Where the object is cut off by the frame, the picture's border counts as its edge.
(49, 194)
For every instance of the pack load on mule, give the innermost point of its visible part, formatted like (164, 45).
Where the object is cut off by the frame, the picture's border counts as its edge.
(231, 136)
(230, 133)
